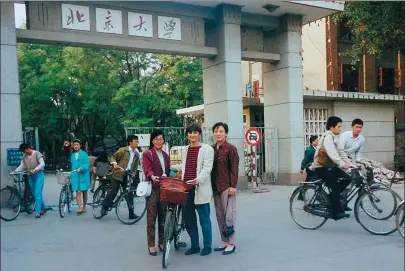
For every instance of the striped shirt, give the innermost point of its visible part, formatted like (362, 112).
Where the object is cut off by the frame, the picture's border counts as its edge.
(191, 163)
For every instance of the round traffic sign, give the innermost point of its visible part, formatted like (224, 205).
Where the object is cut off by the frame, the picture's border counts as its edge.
(66, 143)
(253, 136)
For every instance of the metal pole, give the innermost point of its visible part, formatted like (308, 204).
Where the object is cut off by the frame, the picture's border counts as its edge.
(254, 167)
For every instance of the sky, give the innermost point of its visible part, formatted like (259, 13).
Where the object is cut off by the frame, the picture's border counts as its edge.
(20, 17)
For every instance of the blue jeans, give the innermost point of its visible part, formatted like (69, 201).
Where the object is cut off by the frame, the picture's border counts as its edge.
(191, 221)
(37, 185)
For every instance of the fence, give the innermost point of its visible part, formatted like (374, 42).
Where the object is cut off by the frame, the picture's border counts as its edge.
(266, 151)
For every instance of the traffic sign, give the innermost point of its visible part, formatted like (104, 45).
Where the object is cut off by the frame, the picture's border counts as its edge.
(253, 136)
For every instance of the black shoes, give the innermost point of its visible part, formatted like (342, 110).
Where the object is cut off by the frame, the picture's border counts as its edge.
(192, 251)
(219, 249)
(206, 251)
(229, 252)
(152, 253)
(133, 216)
(341, 215)
(347, 209)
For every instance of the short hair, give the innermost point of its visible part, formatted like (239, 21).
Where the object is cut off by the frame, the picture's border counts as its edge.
(24, 146)
(357, 122)
(155, 134)
(313, 138)
(130, 138)
(332, 122)
(194, 128)
(219, 124)
(76, 140)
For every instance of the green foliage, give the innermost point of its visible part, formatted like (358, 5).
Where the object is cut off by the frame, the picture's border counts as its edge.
(95, 93)
(377, 27)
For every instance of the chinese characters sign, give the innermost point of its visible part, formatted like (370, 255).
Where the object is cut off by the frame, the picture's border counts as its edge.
(75, 17)
(109, 21)
(140, 25)
(169, 28)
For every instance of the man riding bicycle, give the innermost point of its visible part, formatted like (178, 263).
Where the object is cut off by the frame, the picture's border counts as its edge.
(351, 142)
(128, 159)
(329, 165)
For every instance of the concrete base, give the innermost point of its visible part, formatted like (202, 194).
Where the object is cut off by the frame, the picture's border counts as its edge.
(290, 178)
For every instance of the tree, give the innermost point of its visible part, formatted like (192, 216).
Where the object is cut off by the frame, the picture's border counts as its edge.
(377, 27)
(96, 93)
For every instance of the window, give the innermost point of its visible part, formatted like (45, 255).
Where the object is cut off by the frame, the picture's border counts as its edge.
(388, 81)
(349, 78)
(314, 123)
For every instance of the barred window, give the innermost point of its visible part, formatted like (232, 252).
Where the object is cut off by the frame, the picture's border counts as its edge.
(314, 123)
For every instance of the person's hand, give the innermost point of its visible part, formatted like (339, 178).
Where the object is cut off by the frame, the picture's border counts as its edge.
(116, 166)
(192, 182)
(232, 191)
(346, 166)
(154, 178)
(78, 170)
(33, 171)
(301, 171)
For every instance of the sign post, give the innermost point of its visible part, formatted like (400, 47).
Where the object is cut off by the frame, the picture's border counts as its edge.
(253, 137)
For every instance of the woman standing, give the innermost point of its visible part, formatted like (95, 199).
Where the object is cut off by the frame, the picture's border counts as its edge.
(224, 177)
(156, 163)
(80, 177)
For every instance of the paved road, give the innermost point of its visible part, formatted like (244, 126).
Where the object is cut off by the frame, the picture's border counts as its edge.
(267, 240)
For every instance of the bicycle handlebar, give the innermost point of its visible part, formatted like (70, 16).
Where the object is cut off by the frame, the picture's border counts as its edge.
(19, 172)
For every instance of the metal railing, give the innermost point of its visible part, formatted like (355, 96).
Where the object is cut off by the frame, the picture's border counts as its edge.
(266, 151)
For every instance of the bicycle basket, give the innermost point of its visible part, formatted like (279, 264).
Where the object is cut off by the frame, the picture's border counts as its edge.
(173, 190)
(63, 178)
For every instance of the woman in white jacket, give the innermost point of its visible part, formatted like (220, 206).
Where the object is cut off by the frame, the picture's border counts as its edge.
(197, 160)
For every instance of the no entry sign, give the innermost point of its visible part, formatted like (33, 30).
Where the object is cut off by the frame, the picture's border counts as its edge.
(253, 137)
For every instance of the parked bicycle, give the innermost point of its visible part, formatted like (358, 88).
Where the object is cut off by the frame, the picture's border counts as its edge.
(123, 202)
(400, 218)
(173, 192)
(66, 198)
(17, 198)
(315, 203)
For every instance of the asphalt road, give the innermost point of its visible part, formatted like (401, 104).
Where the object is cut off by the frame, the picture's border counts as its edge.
(267, 239)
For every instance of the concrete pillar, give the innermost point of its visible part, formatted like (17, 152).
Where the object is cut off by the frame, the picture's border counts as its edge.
(222, 80)
(11, 130)
(283, 100)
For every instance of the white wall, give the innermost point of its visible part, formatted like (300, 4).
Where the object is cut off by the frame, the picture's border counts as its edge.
(314, 54)
(378, 128)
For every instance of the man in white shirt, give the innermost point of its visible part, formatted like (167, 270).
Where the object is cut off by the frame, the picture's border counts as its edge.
(351, 142)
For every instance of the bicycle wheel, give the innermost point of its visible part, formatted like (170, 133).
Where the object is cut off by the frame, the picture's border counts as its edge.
(63, 202)
(30, 204)
(98, 198)
(70, 198)
(399, 219)
(168, 235)
(123, 210)
(379, 206)
(309, 203)
(10, 204)
(180, 228)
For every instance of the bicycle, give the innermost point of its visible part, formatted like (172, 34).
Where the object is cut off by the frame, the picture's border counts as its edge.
(66, 193)
(129, 196)
(317, 203)
(174, 221)
(400, 218)
(12, 197)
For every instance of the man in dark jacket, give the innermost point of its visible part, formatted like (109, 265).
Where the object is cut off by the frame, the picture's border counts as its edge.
(309, 156)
